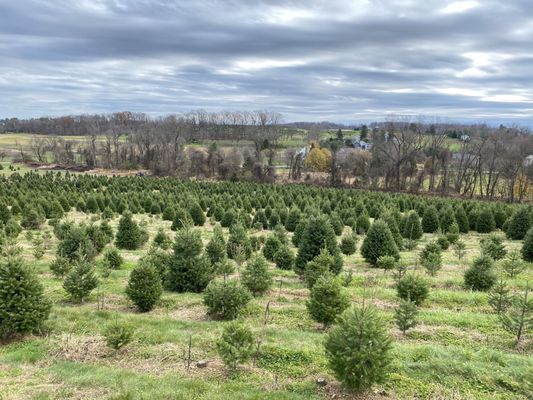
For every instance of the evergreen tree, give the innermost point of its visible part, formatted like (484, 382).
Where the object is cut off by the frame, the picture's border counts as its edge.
(462, 220)
(412, 287)
(216, 248)
(362, 223)
(518, 319)
(348, 245)
(318, 266)
(144, 286)
(182, 219)
(225, 299)
(412, 228)
(293, 219)
(238, 244)
(23, 307)
(392, 223)
(379, 242)
(513, 264)
(480, 276)
(5, 214)
(162, 240)
(446, 219)
(406, 315)
(493, 246)
(236, 345)
(519, 224)
(485, 221)
(327, 300)
(189, 270)
(499, 297)
(284, 258)
(527, 246)
(430, 220)
(128, 235)
(197, 214)
(317, 235)
(299, 232)
(60, 267)
(80, 282)
(358, 348)
(256, 276)
(272, 245)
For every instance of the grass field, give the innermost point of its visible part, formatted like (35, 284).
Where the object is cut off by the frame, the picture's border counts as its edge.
(458, 351)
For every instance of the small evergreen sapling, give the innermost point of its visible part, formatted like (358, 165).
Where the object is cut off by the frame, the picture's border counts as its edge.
(413, 287)
(358, 349)
(513, 264)
(379, 242)
(80, 282)
(144, 287)
(327, 300)
(256, 276)
(406, 315)
(236, 345)
(518, 319)
(224, 299)
(499, 297)
(480, 276)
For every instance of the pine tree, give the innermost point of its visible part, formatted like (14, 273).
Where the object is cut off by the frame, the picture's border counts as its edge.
(493, 246)
(113, 259)
(128, 235)
(527, 246)
(499, 298)
(23, 307)
(182, 219)
(480, 276)
(256, 276)
(144, 287)
(60, 267)
(238, 244)
(406, 315)
(513, 264)
(412, 228)
(446, 219)
(236, 345)
(80, 282)
(485, 221)
(284, 258)
(518, 319)
(318, 266)
(299, 232)
(462, 220)
(225, 299)
(216, 248)
(413, 288)
(327, 300)
(379, 242)
(189, 270)
(5, 214)
(272, 245)
(197, 214)
(348, 245)
(430, 220)
(519, 224)
(392, 223)
(362, 223)
(317, 235)
(358, 348)
(293, 219)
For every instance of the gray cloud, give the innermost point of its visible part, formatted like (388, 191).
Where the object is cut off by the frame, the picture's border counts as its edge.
(342, 60)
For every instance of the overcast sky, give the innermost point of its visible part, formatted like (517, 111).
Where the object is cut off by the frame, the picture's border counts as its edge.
(337, 60)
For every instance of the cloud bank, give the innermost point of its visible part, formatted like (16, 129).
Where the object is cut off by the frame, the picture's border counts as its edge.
(340, 60)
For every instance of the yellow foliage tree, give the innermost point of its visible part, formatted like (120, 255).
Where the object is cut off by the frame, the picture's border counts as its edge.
(318, 160)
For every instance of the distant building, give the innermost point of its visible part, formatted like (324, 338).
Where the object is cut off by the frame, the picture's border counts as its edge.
(528, 160)
(464, 137)
(360, 144)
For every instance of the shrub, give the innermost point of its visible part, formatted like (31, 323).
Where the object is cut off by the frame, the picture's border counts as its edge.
(318, 233)
(284, 258)
(129, 235)
(60, 266)
(117, 334)
(348, 245)
(493, 246)
(256, 276)
(413, 287)
(224, 299)
(23, 307)
(80, 282)
(327, 300)
(480, 276)
(188, 269)
(144, 287)
(113, 259)
(236, 345)
(379, 242)
(358, 348)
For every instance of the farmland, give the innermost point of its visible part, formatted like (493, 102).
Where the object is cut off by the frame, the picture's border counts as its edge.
(459, 348)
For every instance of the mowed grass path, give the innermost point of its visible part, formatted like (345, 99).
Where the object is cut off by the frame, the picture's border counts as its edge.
(458, 351)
